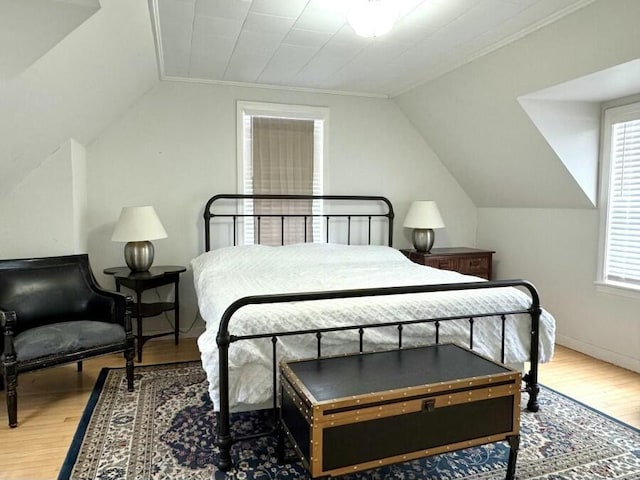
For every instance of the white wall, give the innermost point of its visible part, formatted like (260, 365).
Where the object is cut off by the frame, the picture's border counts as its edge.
(79, 194)
(177, 147)
(77, 88)
(34, 26)
(572, 129)
(45, 214)
(556, 249)
(474, 122)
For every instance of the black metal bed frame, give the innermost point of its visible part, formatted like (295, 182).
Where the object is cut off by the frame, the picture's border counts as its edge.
(225, 338)
(235, 216)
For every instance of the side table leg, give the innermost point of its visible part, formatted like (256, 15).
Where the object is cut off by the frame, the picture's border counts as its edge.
(139, 340)
(514, 443)
(176, 332)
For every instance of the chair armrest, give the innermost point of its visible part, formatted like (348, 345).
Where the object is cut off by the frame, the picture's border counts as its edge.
(8, 324)
(114, 307)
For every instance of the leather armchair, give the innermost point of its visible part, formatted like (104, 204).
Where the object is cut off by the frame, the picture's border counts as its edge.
(52, 311)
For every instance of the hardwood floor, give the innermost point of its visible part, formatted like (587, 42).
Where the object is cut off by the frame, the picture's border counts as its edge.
(603, 386)
(51, 401)
(50, 404)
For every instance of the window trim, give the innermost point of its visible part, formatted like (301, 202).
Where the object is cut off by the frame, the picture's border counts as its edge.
(609, 117)
(300, 112)
(286, 111)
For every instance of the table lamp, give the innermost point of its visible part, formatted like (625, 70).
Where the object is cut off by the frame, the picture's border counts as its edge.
(423, 216)
(137, 226)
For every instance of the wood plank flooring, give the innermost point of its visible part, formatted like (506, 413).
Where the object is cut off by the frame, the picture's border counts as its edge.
(51, 401)
(603, 386)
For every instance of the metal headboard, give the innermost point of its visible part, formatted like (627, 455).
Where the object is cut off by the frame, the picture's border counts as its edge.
(376, 203)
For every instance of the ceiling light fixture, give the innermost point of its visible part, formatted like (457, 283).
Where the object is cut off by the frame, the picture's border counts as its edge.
(372, 18)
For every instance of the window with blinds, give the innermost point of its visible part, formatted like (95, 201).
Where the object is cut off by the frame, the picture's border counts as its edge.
(621, 162)
(282, 153)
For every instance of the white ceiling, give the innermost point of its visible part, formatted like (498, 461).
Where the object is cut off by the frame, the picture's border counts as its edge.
(30, 28)
(309, 44)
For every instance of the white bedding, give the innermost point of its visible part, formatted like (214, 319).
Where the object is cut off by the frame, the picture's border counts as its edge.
(224, 275)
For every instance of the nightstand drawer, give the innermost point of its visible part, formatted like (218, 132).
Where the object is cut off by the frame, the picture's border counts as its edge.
(445, 263)
(474, 265)
(468, 261)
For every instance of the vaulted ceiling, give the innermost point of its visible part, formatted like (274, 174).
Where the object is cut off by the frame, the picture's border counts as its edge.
(69, 79)
(95, 68)
(30, 28)
(309, 43)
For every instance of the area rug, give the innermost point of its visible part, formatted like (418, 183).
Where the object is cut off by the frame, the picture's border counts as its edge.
(164, 430)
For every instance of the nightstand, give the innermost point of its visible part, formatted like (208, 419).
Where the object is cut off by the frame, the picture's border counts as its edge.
(469, 261)
(141, 281)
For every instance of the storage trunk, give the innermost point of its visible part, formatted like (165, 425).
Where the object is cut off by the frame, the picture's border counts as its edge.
(355, 412)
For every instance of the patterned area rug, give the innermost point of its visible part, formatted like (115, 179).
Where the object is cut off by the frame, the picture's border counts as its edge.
(164, 429)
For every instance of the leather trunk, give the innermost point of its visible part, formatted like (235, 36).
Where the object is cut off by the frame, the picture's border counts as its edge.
(355, 412)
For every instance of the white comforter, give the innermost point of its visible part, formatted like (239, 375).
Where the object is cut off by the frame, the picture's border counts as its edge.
(224, 275)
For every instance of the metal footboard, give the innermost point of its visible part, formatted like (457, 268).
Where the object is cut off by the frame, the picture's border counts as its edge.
(224, 340)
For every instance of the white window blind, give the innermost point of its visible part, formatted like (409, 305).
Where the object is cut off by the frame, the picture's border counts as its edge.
(622, 255)
(282, 164)
(282, 153)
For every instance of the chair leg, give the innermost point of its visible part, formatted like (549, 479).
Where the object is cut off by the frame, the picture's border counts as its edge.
(11, 379)
(130, 375)
(128, 355)
(80, 366)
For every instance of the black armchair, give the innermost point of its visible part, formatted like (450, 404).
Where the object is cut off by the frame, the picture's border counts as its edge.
(52, 311)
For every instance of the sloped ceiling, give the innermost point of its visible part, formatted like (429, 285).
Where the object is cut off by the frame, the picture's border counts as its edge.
(568, 116)
(456, 68)
(472, 118)
(309, 43)
(30, 28)
(77, 88)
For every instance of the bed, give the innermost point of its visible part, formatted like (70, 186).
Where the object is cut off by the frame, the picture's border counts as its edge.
(350, 291)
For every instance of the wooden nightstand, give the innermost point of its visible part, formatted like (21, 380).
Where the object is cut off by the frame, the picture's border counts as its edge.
(469, 261)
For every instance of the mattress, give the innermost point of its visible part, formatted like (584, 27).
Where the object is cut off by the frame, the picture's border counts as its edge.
(227, 274)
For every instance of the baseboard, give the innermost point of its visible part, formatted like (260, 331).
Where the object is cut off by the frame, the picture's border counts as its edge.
(623, 361)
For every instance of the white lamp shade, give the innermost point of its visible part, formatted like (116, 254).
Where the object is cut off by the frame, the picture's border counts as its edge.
(137, 224)
(423, 214)
(372, 18)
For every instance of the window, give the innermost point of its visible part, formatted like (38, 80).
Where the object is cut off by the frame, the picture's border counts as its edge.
(620, 198)
(281, 150)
